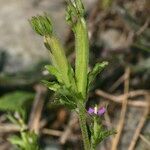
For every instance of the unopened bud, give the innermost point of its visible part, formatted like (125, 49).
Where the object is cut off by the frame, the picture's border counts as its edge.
(41, 25)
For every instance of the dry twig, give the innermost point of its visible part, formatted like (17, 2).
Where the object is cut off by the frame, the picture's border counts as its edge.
(7, 128)
(143, 28)
(140, 125)
(66, 134)
(52, 132)
(34, 121)
(107, 119)
(117, 83)
(123, 111)
(118, 99)
(145, 140)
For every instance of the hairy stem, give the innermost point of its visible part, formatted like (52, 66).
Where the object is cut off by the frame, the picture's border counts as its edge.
(82, 121)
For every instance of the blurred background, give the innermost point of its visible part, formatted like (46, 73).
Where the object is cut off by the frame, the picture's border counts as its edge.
(119, 32)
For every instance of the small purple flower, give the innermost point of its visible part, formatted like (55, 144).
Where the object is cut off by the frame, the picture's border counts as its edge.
(96, 111)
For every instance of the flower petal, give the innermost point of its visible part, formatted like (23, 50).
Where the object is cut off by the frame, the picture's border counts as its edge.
(90, 111)
(101, 111)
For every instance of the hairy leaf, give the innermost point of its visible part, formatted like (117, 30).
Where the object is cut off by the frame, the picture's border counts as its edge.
(96, 70)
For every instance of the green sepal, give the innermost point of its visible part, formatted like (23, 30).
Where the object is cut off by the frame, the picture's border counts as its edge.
(96, 70)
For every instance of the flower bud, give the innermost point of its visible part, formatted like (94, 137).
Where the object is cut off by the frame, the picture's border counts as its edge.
(41, 25)
(75, 11)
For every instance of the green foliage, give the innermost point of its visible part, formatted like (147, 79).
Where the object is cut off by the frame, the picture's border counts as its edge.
(66, 96)
(27, 141)
(15, 101)
(71, 86)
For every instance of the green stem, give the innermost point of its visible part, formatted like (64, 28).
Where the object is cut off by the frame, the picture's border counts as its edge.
(82, 121)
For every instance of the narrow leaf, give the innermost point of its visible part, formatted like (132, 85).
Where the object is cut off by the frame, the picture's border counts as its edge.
(82, 56)
(96, 70)
(59, 56)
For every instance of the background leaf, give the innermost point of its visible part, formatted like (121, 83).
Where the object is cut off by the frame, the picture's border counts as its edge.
(15, 101)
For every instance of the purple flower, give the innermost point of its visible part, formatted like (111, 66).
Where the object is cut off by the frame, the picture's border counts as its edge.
(96, 111)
